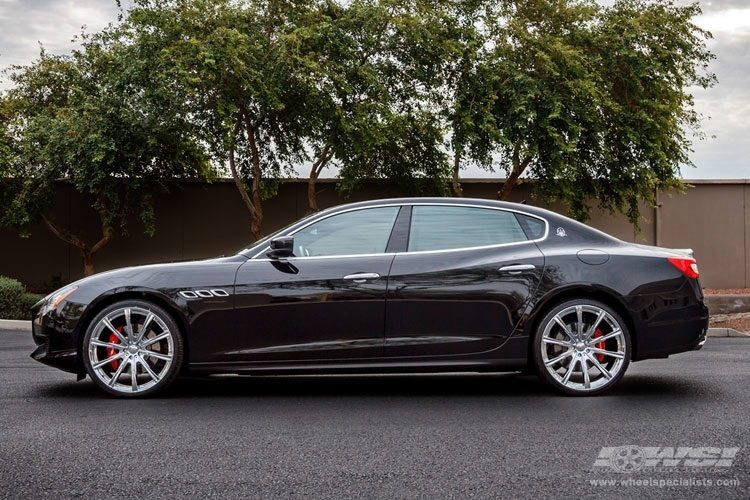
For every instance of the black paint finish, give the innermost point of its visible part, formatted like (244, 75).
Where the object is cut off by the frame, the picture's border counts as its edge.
(471, 308)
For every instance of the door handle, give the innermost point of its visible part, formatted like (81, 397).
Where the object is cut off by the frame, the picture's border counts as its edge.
(361, 277)
(517, 268)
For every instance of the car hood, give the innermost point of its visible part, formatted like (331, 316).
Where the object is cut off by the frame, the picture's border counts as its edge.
(162, 276)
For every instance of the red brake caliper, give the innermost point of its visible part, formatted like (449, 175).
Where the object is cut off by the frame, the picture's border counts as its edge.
(599, 345)
(111, 351)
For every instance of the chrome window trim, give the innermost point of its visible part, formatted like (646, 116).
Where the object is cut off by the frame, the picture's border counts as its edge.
(464, 249)
(346, 256)
(421, 252)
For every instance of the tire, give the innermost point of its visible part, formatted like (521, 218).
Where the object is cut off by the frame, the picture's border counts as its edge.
(581, 347)
(128, 338)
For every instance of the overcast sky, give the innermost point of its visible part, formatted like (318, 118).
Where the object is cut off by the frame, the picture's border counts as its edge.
(725, 154)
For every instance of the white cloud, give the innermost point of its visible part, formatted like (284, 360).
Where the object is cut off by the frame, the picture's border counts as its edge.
(725, 21)
(24, 24)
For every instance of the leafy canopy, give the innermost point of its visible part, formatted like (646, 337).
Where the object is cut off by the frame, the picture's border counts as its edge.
(92, 120)
(592, 103)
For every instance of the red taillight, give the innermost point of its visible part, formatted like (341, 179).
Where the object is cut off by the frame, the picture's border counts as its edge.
(687, 265)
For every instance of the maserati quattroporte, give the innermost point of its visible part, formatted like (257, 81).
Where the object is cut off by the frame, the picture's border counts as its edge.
(417, 285)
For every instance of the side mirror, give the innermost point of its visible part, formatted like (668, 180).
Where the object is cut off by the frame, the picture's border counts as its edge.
(281, 247)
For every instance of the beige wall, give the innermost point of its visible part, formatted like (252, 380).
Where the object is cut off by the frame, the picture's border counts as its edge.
(206, 220)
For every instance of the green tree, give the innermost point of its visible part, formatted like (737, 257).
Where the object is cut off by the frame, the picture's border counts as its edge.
(370, 67)
(92, 120)
(590, 102)
(233, 65)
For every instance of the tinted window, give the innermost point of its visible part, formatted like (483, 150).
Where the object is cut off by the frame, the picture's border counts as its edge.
(351, 233)
(443, 228)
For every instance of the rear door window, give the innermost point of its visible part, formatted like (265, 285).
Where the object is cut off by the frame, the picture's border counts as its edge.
(435, 227)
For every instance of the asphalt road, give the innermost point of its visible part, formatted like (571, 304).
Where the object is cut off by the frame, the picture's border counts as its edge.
(431, 437)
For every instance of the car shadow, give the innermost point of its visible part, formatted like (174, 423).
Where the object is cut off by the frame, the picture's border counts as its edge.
(237, 386)
(459, 385)
(444, 385)
(641, 385)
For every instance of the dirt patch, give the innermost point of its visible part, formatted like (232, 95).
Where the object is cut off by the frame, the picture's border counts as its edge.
(726, 291)
(739, 322)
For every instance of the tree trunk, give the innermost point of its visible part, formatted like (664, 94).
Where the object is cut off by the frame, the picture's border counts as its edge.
(257, 213)
(312, 199)
(508, 185)
(253, 205)
(317, 168)
(255, 227)
(88, 262)
(518, 168)
(456, 183)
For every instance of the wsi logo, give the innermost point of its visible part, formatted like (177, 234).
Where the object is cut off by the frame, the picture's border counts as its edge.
(204, 294)
(633, 458)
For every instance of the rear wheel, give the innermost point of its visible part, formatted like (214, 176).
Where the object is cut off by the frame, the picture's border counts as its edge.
(581, 347)
(132, 349)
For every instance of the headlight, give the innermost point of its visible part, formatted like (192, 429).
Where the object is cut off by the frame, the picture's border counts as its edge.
(54, 299)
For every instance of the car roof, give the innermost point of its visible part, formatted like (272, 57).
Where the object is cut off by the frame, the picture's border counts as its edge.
(518, 207)
(551, 217)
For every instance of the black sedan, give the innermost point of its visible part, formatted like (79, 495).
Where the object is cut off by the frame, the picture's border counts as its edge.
(404, 285)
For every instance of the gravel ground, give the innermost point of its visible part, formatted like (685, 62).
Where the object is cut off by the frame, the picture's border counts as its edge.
(739, 323)
(726, 291)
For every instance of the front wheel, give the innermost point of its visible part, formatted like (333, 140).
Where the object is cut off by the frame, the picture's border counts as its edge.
(581, 347)
(133, 349)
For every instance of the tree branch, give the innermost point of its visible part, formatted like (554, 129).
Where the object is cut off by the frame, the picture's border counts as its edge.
(65, 236)
(518, 168)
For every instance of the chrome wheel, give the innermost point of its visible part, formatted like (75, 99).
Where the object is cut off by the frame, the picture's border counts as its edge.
(582, 347)
(133, 349)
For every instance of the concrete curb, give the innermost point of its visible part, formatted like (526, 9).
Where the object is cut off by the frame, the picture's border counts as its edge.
(727, 304)
(25, 326)
(726, 332)
(19, 326)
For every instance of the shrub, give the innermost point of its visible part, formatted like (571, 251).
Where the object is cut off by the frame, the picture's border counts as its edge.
(11, 293)
(27, 301)
(15, 303)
